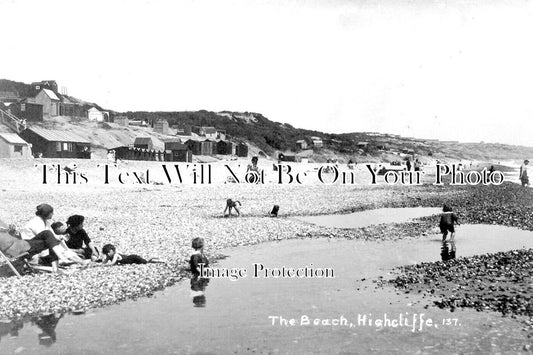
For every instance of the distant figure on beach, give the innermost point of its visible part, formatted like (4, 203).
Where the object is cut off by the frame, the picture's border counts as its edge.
(253, 166)
(275, 211)
(408, 164)
(491, 170)
(447, 221)
(524, 178)
(230, 204)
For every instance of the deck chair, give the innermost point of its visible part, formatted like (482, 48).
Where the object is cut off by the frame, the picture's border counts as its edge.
(13, 251)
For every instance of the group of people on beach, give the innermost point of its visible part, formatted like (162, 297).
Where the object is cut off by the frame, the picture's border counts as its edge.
(51, 244)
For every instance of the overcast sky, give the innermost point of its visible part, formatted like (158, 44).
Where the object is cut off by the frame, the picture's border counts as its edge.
(453, 70)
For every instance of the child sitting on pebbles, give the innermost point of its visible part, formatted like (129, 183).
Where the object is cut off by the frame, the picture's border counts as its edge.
(447, 221)
(115, 258)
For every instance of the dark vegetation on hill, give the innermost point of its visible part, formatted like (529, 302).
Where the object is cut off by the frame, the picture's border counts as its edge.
(21, 89)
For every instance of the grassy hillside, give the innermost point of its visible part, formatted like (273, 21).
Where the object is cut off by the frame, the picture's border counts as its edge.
(272, 136)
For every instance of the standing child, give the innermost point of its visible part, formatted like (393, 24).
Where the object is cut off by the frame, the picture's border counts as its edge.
(447, 221)
(524, 178)
(198, 257)
(115, 258)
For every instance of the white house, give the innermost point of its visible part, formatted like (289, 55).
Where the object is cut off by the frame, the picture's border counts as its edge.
(12, 146)
(317, 142)
(95, 114)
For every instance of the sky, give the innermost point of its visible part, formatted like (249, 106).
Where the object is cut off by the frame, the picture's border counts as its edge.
(449, 70)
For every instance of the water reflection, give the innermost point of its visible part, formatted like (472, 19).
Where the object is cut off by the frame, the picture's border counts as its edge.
(198, 285)
(447, 250)
(48, 325)
(10, 327)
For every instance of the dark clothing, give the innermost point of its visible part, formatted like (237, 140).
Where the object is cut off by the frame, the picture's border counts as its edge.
(448, 219)
(446, 224)
(195, 261)
(131, 259)
(42, 241)
(78, 239)
(444, 229)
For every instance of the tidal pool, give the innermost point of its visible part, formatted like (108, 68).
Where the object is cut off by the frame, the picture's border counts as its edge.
(223, 316)
(371, 217)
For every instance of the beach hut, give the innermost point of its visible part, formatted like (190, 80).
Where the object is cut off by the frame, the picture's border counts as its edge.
(301, 144)
(176, 151)
(224, 147)
(195, 146)
(50, 102)
(13, 147)
(241, 150)
(208, 147)
(56, 144)
(143, 143)
(95, 114)
(27, 111)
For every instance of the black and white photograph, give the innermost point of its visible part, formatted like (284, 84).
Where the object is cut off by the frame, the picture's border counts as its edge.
(266, 177)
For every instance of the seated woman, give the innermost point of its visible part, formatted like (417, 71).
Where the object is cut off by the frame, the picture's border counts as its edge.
(42, 221)
(45, 240)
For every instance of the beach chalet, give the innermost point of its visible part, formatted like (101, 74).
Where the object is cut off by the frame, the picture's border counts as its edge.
(195, 146)
(221, 134)
(182, 130)
(362, 145)
(143, 143)
(95, 114)
(225, 147)
(208, 147)
(286, 157)
(176, 151)
(71, 106)
(241, 150)
(27, 111)
(12, 146)
(56, 144)
(301, 144)
(208, 132)
(132, 153)
(317, 142)
(50, 102)
(121, 120)
(161, 126)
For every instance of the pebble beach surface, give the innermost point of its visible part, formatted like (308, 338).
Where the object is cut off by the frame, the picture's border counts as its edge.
(160, 221)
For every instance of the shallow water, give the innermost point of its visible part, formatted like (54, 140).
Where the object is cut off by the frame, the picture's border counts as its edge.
(371, 217)
(235, 316)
